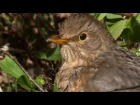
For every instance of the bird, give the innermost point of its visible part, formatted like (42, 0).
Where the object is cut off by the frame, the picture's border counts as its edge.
(91, 59)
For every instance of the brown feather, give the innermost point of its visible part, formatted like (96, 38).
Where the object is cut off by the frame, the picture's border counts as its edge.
(96, 63)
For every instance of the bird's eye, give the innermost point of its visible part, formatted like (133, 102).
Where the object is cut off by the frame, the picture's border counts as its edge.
(82, 36)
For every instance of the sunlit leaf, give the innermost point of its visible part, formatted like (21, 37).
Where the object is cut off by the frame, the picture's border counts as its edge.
(40, 81)
(134, 50)
(113, 16)
(112, 19)
(101, 16)
(95, 15)
(11, 68)
(117, 28)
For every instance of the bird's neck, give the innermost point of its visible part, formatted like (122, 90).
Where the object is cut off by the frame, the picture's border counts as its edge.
(74, 59)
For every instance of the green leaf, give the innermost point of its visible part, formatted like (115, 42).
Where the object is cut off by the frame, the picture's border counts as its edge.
(137, 17)
(55, 86)
(112, 16)
(54, 54)
(137, 52)
(126, 33)
(41, 55)
(95, 15)
(10, 67)
(24, 82)
(117, 28)
(133, 24)
(51, 54)
(15, 86)
(122, 44)
(98, 16)
(40, 81)
(101, 16)
(111, 19)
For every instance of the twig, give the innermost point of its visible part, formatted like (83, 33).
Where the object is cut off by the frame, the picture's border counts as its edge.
(30, 78)
(52, 67)
(7, 48)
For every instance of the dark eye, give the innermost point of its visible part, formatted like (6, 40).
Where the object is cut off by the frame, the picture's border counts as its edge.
(82, 36)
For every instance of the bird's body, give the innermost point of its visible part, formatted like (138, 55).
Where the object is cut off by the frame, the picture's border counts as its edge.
(92, 62)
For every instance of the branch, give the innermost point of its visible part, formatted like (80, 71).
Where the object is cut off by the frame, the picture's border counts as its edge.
(30, 78)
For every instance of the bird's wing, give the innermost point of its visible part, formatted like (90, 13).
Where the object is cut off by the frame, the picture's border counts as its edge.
(118, 71)
(113, 71)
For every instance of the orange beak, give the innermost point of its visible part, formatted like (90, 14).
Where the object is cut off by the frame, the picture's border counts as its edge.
(57, 39)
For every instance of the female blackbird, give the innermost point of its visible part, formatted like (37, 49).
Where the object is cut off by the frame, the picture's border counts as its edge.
(92, 61)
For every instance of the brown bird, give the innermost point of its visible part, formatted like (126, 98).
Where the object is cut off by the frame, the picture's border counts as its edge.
(92, 61)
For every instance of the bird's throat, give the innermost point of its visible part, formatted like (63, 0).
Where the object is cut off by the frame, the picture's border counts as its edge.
(74, 58)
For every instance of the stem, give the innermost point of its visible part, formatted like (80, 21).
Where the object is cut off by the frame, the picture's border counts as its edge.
(30, 78)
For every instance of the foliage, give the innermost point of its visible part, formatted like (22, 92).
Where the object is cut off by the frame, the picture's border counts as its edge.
(11, 68)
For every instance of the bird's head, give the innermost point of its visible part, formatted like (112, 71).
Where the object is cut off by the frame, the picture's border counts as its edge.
(82, 38)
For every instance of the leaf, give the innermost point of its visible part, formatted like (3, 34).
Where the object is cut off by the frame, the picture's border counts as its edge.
(111, 19)
(98, 16)
(51, 54)
(95, 15)
(137, 52)
(126, 33)
(10, 67)
(122, 44)
(133, 24)
(137, 17)
(117, 28)
(54, 54)
(40, 81)
(15, 86)
(55, 86)
(112, 16)
(41, 55)
(101, 16)
(24, 82)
